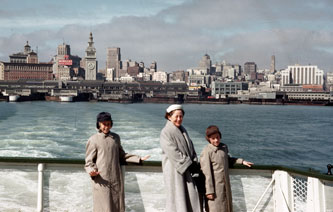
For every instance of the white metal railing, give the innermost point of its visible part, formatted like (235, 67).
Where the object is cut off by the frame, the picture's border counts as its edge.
(295, 193)
(60, 185)
(40, 187)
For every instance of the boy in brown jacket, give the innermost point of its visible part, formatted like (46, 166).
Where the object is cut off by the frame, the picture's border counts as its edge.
(214, 162)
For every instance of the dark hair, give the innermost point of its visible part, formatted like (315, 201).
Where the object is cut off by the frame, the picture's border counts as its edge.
(211, 130)
(166, 116)
(103, 116)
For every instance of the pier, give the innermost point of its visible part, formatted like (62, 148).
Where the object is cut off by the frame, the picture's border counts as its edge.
(146, 92)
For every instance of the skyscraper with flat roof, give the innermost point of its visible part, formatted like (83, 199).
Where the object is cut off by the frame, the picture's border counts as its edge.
(63, 49)
(205, 64)
(272, 64)
(250, 69)
(113, 60)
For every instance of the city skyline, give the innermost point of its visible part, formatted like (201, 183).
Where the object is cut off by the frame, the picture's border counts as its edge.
(175, 33)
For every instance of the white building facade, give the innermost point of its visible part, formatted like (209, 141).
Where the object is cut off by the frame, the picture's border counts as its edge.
(160, 76)
(303, 75)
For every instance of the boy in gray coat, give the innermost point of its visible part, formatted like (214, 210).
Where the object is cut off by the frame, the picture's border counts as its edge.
(214, 161)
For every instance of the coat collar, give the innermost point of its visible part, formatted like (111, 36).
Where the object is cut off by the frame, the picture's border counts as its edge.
(215, 148)
(181, 133)
(169, 124)
(109, 134)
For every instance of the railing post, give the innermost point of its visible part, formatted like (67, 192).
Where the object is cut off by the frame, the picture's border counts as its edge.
(315, 196)
(40, 187)
(283, 197)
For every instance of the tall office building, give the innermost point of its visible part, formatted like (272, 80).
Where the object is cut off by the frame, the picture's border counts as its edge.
(250, 69)
(65, 65)
(272, 64)
(113, 60)
(63, 52)
(90, 60)
(153, 66)
(303, 75)
(205, 63)
(63, 49)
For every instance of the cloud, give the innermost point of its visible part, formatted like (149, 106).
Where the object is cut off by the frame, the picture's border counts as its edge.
(178, 34)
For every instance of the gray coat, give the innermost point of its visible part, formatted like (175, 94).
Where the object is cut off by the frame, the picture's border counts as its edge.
(104, 153)
(214, 162)
(177, 155)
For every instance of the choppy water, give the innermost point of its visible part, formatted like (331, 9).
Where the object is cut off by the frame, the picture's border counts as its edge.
(298, 136)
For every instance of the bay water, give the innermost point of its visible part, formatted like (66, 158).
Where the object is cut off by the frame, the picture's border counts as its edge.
(294, 136)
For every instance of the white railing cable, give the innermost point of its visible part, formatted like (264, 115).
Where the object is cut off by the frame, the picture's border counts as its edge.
(40, 188)
(262, 196)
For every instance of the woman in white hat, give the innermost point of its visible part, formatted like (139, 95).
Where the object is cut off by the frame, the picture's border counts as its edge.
(179, 163)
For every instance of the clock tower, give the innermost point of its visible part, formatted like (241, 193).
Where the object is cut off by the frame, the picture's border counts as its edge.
(90, 60)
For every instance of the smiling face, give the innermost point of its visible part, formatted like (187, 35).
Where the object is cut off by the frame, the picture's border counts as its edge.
(105, 126)
(215, 139)
(176, 117)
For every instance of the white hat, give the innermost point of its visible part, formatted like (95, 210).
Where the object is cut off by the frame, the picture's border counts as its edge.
(174, 107)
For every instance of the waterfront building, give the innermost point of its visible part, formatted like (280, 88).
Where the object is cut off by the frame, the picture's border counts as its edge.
(121, 73)
(223, 89)
(218, 69)
(196, 71)
(25, 65)
(301, 88)
(30, 71)
(179, 76)
(27, 56)
(329, 81)
(125, 64)
(145, 76)
(230, 71)
(199, 80)
(309, 96)
(132, 63)
(127, 78)
(90, 60)
(270, 77)
(110, 74)
(329, 78)
(260, 76)
(303, 75)
(161, 76)
(134, 70)
(113, 59)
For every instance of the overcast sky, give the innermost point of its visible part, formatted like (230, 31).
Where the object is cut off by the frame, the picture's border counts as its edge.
(175, 33)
